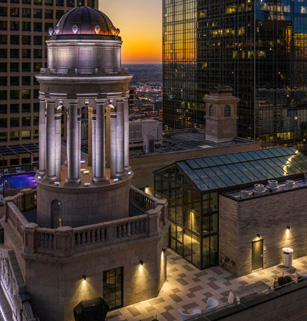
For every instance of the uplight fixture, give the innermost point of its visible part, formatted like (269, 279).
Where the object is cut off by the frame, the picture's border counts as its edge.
(84, 277)
(141, 262)
(288, 228)
(258, 235)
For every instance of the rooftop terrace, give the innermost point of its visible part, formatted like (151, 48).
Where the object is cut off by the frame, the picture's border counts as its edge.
(188, 288)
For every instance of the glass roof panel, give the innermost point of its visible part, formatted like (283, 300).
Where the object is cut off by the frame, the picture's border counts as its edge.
(217, 160)
(275, 152)
(247, 156)
(215, 178)
(200, 162)
(233, 158)
(209, 161)
(268, 152)
(244, 168)
(239, 173)
(261, 154)
(192, 163)
(225, 159)
(184, 166)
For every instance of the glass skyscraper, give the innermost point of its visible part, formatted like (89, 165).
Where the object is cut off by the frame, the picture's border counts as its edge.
(257, 47)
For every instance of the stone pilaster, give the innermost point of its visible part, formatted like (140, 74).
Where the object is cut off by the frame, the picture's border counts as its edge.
(113, 141)
(58, 118)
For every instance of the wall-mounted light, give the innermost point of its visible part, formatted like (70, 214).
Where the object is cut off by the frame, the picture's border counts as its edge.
(258, 235)
(146, 189)
(164, 250)
(84, 277)
(288, 228)
(129, 172)
(116, 180)
(141, 262)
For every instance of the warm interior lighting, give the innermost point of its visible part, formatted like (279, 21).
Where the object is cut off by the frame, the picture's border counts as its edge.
(146, 189)
(141, 262)
(258, 236)
(164, 250)
(288, 228)
(84, 277)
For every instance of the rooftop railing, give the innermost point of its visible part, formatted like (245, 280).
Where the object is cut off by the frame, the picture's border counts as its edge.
(65, 241)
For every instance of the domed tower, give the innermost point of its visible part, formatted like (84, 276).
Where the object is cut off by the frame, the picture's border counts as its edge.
(84, 72)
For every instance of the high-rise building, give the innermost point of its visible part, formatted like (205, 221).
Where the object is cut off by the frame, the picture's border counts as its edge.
(257, 47)
(24, 27)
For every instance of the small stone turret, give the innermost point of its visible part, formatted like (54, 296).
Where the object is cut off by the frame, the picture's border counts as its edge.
(221, 114)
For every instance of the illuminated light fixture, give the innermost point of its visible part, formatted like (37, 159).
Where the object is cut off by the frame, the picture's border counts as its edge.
(116, 179)
(39, 177)
(50, 31)
(86, 172)
(163, 250)
(74, 29)
(57, 30)
(87, 184)
(57, 183)
(288, 228)
(129, 172)
(82, 161)
(84, 277)
(258, 235)
(146, 189)
(97, 29)
(141, 262)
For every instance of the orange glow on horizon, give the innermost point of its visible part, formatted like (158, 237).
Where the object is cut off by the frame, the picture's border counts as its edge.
(140, 24)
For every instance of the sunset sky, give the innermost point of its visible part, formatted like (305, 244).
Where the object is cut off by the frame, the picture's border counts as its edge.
(140, 23)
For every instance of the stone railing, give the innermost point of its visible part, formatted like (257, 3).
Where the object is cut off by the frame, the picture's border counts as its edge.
(65, 241)
(14, 288)
(25, 200)
(142, 200)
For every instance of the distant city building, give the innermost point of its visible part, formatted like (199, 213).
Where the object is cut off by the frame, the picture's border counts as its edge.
(258, 48)
(144, 133)
(24, 27)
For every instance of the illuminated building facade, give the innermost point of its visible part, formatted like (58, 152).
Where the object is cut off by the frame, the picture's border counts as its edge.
(94, 235)
(256, 47)
(24, 26)
(207, 227)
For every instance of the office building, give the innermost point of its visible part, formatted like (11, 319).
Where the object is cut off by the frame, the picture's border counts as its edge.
(24, 28)
(258, 48)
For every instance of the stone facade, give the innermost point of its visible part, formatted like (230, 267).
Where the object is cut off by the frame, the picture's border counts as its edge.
(268, 215)
(101, 204)
(221, 114)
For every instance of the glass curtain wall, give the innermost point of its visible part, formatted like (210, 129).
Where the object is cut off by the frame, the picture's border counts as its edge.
(182, 103)
(258, 47)
(194, 220)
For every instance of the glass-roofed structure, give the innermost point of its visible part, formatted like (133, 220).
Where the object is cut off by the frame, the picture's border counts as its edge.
(191, 188)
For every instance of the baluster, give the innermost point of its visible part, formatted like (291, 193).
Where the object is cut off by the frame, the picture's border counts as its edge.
(83, 238)
(128, 229)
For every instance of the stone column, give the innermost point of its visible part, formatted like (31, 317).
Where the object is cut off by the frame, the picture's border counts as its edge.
(113, 141)
(93, 143)
(73, 137)
(120, 139)
(126, 135)
(50, 142)
(42, 136)
(100, 155)
(79, 140)
(89, 135)
(58, 136)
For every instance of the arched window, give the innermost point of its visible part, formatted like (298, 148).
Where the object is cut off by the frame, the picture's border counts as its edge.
(211, 110)
(227, 111)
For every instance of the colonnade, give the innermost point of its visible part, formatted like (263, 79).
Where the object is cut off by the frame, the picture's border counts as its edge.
(109, 121)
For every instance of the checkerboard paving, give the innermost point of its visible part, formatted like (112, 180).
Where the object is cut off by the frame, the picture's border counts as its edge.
(189, 288)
